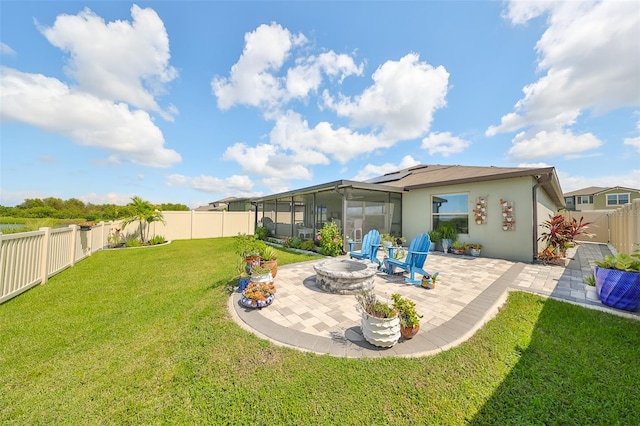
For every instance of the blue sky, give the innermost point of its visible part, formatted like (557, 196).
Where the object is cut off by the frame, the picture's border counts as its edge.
(190, 102)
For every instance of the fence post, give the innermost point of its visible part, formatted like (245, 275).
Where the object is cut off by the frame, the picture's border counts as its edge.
(72, 248)
(44, 260)
(224, 216)
(192, 224)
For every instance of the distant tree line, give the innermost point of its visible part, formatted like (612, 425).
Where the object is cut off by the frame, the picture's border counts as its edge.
(75, 209)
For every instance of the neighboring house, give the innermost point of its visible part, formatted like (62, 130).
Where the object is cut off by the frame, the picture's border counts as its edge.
(598, 198)
(418, 199)
(219, 205)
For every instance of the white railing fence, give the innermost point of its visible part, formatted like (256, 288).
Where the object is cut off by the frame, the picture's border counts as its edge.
(31, 258)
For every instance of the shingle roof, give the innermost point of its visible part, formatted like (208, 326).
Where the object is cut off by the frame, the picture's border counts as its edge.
(426, 176)
(591, 190)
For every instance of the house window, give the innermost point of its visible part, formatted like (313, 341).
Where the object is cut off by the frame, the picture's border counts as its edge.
(585, 199)
(617, 199)
(452, 209)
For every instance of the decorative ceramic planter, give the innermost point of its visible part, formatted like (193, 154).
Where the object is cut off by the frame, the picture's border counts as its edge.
(474, 252)
(381, 332)
(428, 282)
(252, 303)
(271, 264)
(242, 283)
(618, 289)
(409, 332)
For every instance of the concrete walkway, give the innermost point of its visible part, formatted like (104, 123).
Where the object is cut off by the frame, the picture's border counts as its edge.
(468, 293)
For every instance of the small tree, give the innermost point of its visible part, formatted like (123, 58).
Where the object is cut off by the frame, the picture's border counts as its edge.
(144, 213)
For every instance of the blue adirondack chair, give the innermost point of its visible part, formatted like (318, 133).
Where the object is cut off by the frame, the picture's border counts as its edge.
(369, 249)
(413, 263)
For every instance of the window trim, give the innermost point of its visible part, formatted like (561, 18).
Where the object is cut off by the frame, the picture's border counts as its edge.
(617, 195)
(462, 213)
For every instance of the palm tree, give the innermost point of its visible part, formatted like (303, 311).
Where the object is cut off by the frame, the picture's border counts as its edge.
(143, 212)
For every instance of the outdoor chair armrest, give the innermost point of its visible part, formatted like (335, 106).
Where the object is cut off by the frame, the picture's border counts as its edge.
(351, 244)
(419, 252)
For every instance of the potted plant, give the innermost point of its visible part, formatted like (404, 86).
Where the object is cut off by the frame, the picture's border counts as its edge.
(409, 317)
(618, 280)
(448, 234)
(429, 280)
(258, 295)
(388, 241)
(260, 274)
(380, 323)
(248, 247)
(269, 259)
(474, 249)
(457, 247)
(434, 236)
(243, 279)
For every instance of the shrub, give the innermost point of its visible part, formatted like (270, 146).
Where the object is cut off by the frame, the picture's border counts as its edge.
(158, 239)
(330, 240)
(134, 243)
(261, 233)
(561, 232)
(308, 245)
(293, 242)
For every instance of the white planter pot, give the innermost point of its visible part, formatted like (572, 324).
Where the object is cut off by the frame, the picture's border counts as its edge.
(381, 332)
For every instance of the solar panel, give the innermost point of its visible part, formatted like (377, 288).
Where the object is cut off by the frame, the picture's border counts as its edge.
(388, 178)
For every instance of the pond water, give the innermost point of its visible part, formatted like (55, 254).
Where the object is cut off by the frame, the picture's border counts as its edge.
(10, 225)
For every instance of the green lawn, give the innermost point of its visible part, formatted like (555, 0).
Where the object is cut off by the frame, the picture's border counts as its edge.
(143, 336)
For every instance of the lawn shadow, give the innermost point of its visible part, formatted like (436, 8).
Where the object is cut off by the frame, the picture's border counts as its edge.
(579, 368)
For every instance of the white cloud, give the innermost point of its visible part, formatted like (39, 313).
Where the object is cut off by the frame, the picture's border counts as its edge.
(267, 160)
(634, 142)
(402, 100)
(5, 49)
(548, 144)
(370, 170)
(444, 143)
(236, 185)
(251, 81)
(109, 198)
(13, 198)
(534, 165)
(306, 76)
(118, 61)
(399, 105)
(51, 105)
(589, 54)
(310, 145)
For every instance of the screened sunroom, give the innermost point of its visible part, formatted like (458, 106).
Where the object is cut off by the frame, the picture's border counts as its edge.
(355, 207)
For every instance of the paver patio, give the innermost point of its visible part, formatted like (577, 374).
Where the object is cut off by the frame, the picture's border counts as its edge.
(468, 293)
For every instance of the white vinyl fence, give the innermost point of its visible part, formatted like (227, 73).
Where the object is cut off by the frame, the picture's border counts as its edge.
(31, 258)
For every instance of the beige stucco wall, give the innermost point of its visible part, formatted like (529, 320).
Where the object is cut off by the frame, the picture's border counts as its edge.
(545, 208)
(515, 245)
